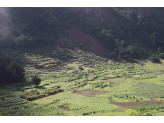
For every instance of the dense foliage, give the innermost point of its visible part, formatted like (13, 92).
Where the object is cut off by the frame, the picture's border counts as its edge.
(116, 29)
(161, 55)
(31, 27)
(155, 59)
(10, 69)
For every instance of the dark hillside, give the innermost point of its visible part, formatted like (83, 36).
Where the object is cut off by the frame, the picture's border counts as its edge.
(112, 27)
(88, 42)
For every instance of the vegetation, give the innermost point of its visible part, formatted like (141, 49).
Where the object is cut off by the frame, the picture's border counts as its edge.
(110, 98)
(118, 82)
(31, 109)
(37, 30)
(10, 69)
(155, 60)
(36, 80)
(159, 50)
(80, 68)
(113, 55)
(65, 83)
(34, 94)
(141, 112)
(161, 55)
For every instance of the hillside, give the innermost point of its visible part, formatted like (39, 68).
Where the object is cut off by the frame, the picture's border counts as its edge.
(110, 26)
(81, 61)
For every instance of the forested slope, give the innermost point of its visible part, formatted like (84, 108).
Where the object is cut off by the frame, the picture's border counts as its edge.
(122, 32)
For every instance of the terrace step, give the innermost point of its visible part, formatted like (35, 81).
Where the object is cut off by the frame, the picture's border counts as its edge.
(13, 104)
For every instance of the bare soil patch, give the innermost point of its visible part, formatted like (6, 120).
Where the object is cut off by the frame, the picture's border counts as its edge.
(150, 102)
(65, 107)
(89, 92)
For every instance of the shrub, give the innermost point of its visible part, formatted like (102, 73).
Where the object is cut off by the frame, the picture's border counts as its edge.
(155, 60)
(80, 68)
(19, 89)
(58, 62)
(36, 65)
(85, 113)
(33, 95)
(161, 55)
(53, 91)
(86, 75)
(110, 98)
(30, 98)
(159, 50)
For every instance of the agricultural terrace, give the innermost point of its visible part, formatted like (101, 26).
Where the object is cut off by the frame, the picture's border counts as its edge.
(102, 88)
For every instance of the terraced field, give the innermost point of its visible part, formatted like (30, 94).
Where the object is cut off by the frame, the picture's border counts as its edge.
(104, 88)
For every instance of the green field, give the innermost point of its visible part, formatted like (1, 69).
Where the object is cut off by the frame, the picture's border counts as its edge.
(95, 91)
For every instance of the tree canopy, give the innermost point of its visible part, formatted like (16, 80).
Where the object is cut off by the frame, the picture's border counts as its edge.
(10, 69)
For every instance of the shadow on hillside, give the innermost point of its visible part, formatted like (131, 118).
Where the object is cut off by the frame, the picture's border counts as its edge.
(40, 87)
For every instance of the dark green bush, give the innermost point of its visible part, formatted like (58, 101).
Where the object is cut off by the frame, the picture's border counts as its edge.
(80, 68)
(53, 91)
(58, 62)
(159, 50)
(33, 95)
(155, 60)
(161, 55)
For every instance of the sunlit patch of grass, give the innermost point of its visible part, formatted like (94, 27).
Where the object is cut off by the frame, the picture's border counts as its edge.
(153, 88)
(31, 109)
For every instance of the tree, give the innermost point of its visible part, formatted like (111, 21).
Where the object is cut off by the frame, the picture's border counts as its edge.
(36, 65)
(86, 75)
(81, 68)
(10, 68)
(159, 50)
(36, 80)
(161, 55)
